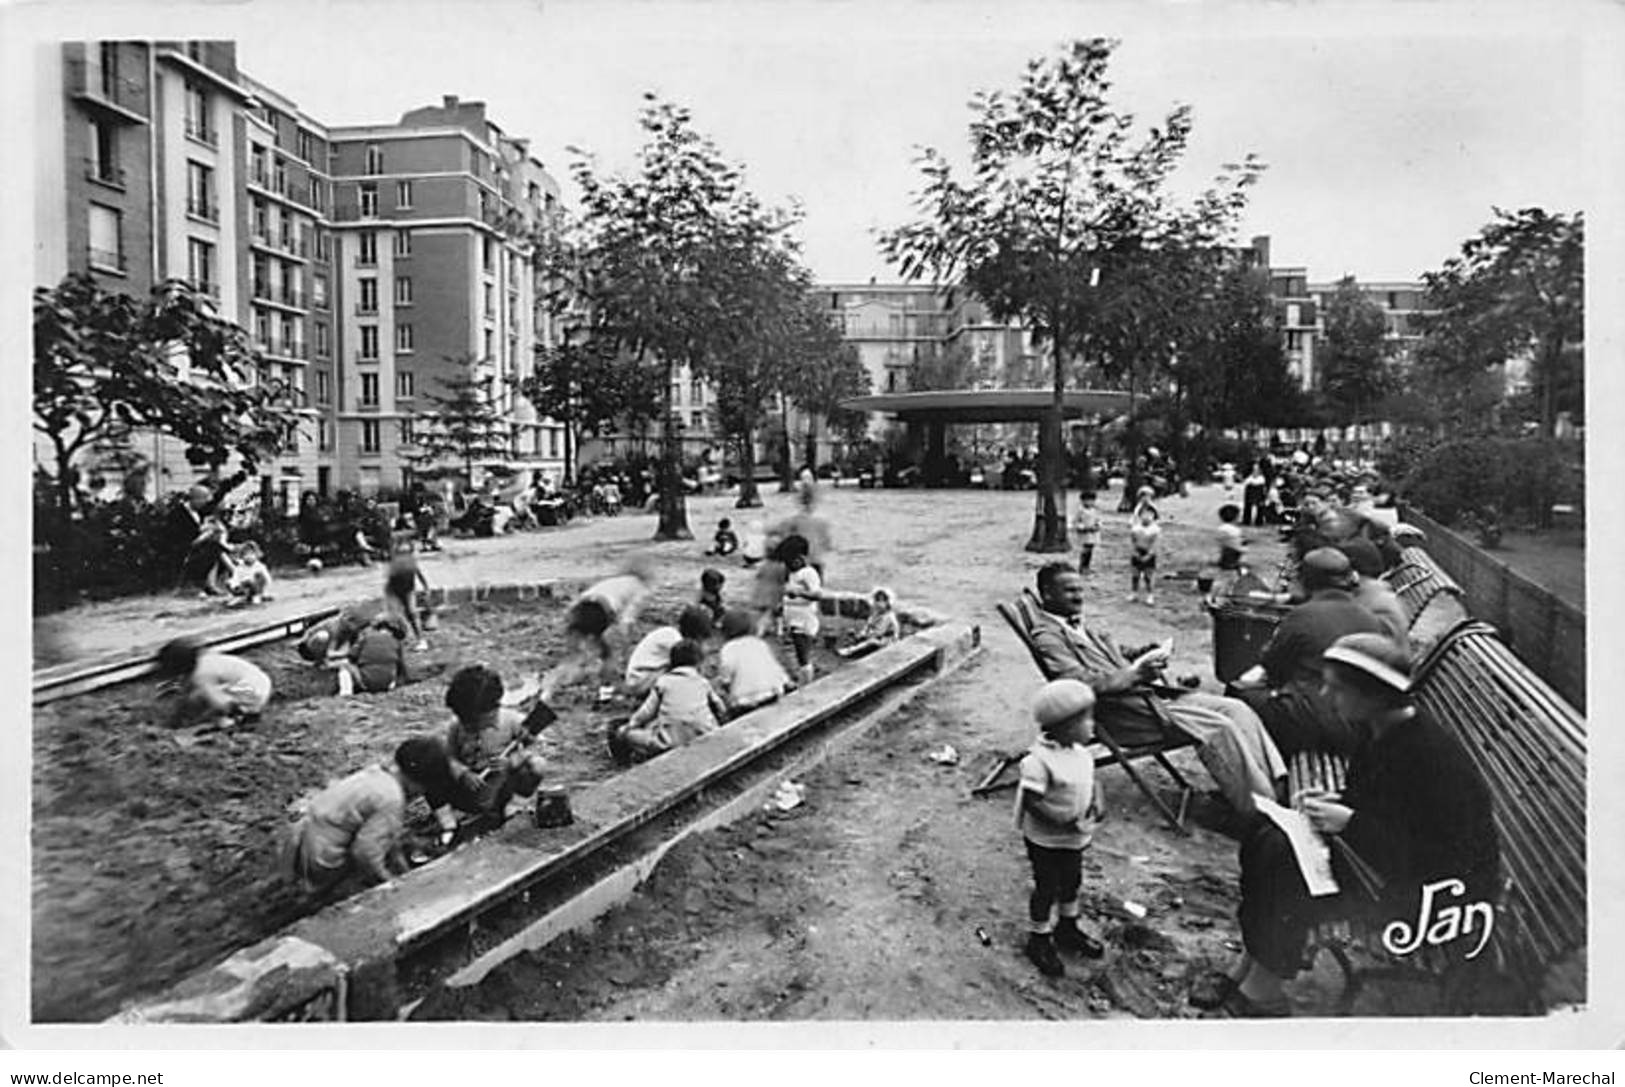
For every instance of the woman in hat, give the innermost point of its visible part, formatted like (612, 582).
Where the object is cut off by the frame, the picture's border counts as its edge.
(1284, 688)
(1415, 811)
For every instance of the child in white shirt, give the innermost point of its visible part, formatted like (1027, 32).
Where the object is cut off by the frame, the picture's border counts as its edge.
(1087, 526)
(747, 669)
(802, 591)
(1144, 535)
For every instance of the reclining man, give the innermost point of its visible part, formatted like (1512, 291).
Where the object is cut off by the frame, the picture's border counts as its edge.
(1231, 741)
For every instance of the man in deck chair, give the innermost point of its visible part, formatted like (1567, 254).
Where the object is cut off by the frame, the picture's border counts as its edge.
(1231, 740)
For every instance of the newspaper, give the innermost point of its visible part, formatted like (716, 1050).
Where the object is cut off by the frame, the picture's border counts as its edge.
(1313, 854)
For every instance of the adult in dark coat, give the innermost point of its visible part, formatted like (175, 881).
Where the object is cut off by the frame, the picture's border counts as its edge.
(1415, 812)
(197, 553)
(1284, 688)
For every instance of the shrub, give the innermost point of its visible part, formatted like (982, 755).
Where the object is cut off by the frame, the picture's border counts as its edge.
(1511, 480)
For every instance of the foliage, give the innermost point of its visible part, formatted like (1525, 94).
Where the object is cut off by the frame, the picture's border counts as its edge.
(824, 371)
(466, 423)
(1513, 480)
(1353, 359)
(657, 254)
(589, 387)
(1516, 291)
(1064, 222)
(950, 366)
(106, 364)
(1233, 371)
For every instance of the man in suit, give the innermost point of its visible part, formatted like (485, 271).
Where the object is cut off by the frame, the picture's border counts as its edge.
(1231, 740)
(199, 552)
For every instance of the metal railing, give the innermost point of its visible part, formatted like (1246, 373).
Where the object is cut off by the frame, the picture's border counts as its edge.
(206, 210)
(107, 258)
(201, 132)
(105, 173)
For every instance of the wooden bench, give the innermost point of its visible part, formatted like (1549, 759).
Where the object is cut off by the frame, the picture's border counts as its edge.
(1021, 614)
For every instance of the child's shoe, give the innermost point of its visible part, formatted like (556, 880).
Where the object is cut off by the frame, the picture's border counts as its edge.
(1069, 937)
(606, 694)
(346, 682)
(1041, 952)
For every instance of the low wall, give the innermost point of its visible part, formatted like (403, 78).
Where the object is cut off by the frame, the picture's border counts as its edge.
(1547, 634)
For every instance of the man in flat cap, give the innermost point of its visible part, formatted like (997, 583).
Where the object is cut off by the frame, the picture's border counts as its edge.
(1284, 687)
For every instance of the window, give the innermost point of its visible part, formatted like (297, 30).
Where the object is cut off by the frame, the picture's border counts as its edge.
(261, 279)
(324, 380)
(103, 164)
(486, 357)
(408, 435)
(290, 345)
(369, 342)
(197, 115)
(696, 391)
(403, 243)
(323, 345)
(369, 435)
(262, 330)
(200, 266)
(324, 435)
(324, 245)
(307, 147)
(369, 200)
(490, 301)
(318, 291)
(369, 390)
(403, 194)
(676, 392)
(486, 255)
(375, 161)
(553, 441)
(403, 385)
(106, 238)
(366, 248)
(1293, 313)
(696, 419)
(403, 290)
(403, 338)
(313, 194)
(200, 192)
(107, 53)
(260, 217)
(290, 442)
(369, 295)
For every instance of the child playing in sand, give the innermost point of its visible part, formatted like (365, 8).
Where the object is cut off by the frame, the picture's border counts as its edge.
(248, 580)
(333, 638)
(724, 542)
(747, 669)
(377, 662)
(879, 630)
(486, 744)
(607, 607)
(1056, 813)
(1144, 535)
(213, 688)
(651, 658)
(802, 591)
(711, 582)
(681, 706)
(356, 825)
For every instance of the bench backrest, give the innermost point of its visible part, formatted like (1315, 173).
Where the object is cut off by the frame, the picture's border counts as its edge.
(1020, 613)
(1530, 745)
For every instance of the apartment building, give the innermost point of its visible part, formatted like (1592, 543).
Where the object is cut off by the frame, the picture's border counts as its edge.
(365, 262)
(1403, 304)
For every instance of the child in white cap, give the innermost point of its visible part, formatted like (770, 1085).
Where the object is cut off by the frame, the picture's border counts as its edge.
(1056, 811)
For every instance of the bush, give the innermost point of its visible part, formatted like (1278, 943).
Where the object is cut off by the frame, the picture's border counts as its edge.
(1512, 481)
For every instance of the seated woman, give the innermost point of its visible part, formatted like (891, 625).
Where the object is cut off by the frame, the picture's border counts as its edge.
(1415, 811)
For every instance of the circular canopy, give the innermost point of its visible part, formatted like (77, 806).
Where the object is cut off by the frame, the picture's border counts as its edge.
(989, 405)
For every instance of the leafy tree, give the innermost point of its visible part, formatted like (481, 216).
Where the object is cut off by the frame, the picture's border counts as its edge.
(466, 422)
(107, 364)
(658, 250)
(1062, 222)
(949, 366)
(1234, 371)
(825, 370)
(589, 386)
(1517, 290)
(1354, 359)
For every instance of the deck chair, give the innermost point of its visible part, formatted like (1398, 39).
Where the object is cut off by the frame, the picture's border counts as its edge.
(1021, 614)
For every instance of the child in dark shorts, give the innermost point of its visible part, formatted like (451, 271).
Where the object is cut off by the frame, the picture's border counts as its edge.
(1143, 537)
(725, 542)
(1229, 537)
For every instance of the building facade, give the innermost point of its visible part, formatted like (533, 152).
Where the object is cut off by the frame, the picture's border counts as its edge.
(367, 264)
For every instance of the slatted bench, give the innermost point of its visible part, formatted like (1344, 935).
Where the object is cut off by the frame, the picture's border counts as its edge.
(1021, 614)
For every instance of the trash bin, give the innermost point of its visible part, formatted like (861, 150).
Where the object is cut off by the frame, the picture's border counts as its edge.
(1241, 629)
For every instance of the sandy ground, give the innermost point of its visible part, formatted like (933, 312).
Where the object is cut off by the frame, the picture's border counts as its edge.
(866, 901)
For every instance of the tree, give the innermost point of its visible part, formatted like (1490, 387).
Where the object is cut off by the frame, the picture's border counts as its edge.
(1234, 372)
(1517, 290)
(1354, 358)
(466, 423)
(657, 252)
(825, 370)
(107, 364)
(949, 366)
(589, 386)
(1058, 224)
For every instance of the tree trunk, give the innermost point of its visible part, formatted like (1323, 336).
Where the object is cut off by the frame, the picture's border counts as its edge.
(750, 496)
(786, 472)
(1049, 510)
(812, 442)
(569, 455)
(673, 510)
(1131, 452)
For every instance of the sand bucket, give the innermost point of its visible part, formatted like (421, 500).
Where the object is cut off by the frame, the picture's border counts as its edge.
(553, 808)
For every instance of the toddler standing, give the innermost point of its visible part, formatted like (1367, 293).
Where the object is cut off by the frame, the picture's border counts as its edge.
(1144, 535)
(1087, 525)
(1056, 813)
(802, 591)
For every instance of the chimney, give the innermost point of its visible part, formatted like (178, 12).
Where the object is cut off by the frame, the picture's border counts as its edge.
(448, 101)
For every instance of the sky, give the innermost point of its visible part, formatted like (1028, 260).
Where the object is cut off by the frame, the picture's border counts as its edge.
(1389, 130)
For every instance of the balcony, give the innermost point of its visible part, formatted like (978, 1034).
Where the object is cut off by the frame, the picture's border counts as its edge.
(108, 260)
(107, 91)
(204, 209)
(200, 131)
(105, 173)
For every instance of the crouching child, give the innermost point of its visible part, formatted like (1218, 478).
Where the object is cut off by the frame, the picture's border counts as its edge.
(1056, 812)
(682, 706)
(377, 663)
(356, 825)
(488, 748)
(210, 688)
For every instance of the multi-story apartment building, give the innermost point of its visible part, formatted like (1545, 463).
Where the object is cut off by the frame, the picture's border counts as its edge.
(1403, 304)
(364, 262)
